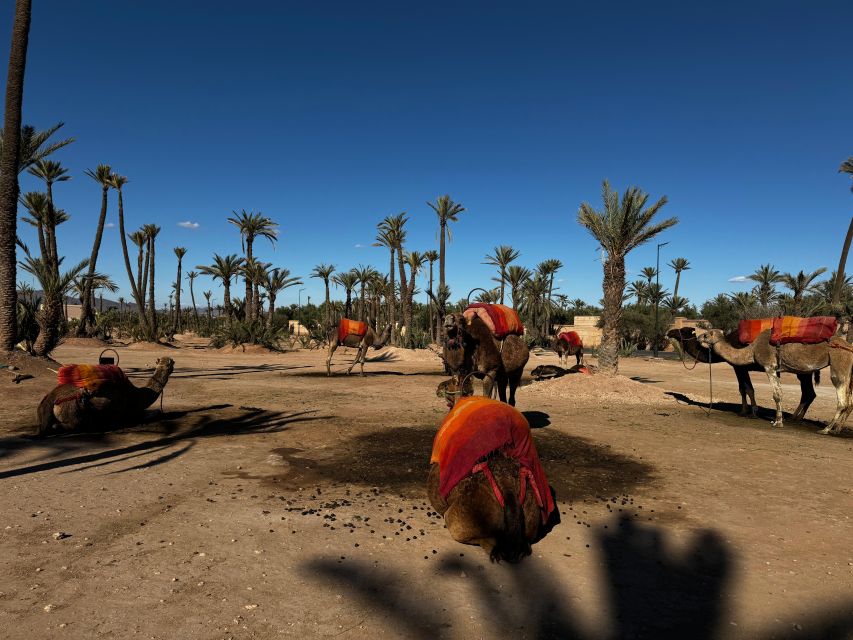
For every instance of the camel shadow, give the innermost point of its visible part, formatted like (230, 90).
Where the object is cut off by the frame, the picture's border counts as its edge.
(652, 590)
(645, 380)
(183, 428)
(537, 419)
(218, 373)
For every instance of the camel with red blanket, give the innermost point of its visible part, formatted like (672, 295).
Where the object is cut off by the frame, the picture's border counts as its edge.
(99, 396)
(789, 346)
(568, 343)
(487, 482)
(497, 357)
(358, 335)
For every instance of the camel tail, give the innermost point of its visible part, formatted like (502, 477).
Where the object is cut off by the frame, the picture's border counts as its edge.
(817, 377)
(512, 544)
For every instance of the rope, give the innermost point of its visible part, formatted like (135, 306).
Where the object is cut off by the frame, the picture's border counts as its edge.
(710, 383)
(695, 359)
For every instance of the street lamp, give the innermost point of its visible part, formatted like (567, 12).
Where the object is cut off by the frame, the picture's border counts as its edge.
(300, 297)
(657, 297)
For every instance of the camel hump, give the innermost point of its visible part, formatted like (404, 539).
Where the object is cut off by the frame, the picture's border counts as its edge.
(501, 320)
(347, 327)
(91, 376)
(571, 337)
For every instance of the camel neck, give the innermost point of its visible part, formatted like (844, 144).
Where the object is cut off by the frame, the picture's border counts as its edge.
(736, 356)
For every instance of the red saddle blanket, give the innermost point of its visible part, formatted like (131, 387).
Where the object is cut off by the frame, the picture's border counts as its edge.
(572, 338)
(502, 321)
(348, 327)
(91, 376)
(476, 427)
(788, 329)
(748, 330)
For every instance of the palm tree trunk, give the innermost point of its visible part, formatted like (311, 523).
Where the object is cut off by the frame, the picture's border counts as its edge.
(403, 290)
(195, 311)
(614, 287)
(430, 308)
(87, 314)
(9, 174)
(135, 287)
(50, 232)
(348, 310)
(839, 275)
(272, 309)
(328, 306)
(249, 299)
(152, 311)
(49, 319)
(503, 283)
(392, 301)
(178, 325)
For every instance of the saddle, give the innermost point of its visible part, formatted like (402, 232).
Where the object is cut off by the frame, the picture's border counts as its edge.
(501, 320)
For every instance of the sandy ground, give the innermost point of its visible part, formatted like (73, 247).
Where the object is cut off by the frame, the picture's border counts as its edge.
(270, 501)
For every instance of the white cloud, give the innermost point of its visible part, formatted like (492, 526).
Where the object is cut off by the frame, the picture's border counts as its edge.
(739, 279)
(186, 224)
(109, 225)
(358, 245)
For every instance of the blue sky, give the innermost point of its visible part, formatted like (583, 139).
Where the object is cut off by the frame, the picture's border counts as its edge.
(329, 117)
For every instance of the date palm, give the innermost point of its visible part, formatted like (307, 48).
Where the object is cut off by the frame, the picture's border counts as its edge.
(431, 256)
(549, 269)
(225, 270)
(678, 265)
(252, 225)
(138, 238)
(35, 202)
(9, 168)
(620, 227)
(516, 276)
(363, 275)
(207, 295)
(191, 276)
(103, 176)
(256, 272)
(325, 272)
(447, 211)
(846, 167)
(33, 144)
(394, 226)
(640, 290)
(765, 291)
(50, 172)
(151, 231)
(348, 280)
(137, 290)
(277, 280)
(385, 238)
(501, 257)
(799, 284)
(649, 274)
(416, 261)
(177, 327)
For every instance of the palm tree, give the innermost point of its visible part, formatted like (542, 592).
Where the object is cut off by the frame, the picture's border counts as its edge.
(207, 295)
(394, 226)
(138, 238)
(33, 144)
(348, 280)
(516, 277)
(432, 256)
(765, 292)
(799, 284)
(35, 202)
(117, 182)
(151, 231)
(277, 280)
(640, 290)
(103, 176)
(9, 168)
(549, 269)
(50, 172)
(678, 265)
(385, 238)
(535, 299)
(253, 225)
(191, 276)
(744, 299)
(619, 228)
(501, 258)
(255, 272)
(447, 211)
(416, 261)
(846, 167)
(180, 252)
(325, 272)
(649, 274)
(363, 275)
(223, 269)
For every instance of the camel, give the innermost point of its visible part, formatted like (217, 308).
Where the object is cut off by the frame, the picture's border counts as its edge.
(794, 358)
(500, 362)
(564, 347)
(361, 343)
(102, 403)
(472, 509)
(686, 339)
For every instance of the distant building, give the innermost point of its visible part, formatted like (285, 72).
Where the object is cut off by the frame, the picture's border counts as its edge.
(296, 328)
(586, 327)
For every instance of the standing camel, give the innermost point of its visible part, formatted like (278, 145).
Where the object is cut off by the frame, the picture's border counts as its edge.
(568, 343)
(793, 358)
(361, 340)
(501, 362)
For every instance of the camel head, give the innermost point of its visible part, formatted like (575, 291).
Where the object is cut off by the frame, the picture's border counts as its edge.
(166, 365)
(452, 389)
(709, 337)
(453, 327)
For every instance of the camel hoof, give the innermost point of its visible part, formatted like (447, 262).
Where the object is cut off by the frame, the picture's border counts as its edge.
(826, 431)
(777, 423)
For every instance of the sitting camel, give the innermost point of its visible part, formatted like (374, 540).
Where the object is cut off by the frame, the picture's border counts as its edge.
(793, 358)
(362, 340)
(568, 343)
(99, 396)
(486, 480)
(500, 362)
(687, 342)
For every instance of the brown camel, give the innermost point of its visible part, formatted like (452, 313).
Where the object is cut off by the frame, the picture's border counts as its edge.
(794, 358)
(499, 362)
(361, 343)
(686, 340)
(101, 404)
(565, 348)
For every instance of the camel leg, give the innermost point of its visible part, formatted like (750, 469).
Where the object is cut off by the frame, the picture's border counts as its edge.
(807, 395)
(842, 392)
(579, 357)
(514, 380)
(776, 385)
(332, 346)
(502, 383)
(746, 390)
(359, 354)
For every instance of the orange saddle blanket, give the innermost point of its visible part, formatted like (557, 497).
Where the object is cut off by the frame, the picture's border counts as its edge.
(748, 330)
(788, 329)
(348, 327)
(502, 321)
(572, 338)
(91, 376)
(476, 427)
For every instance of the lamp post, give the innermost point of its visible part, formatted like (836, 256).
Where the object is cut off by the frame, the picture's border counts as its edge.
(300, 297)
(657, 297)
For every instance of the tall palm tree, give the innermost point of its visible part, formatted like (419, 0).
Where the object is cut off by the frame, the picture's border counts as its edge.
(191, 276)
(765, 291)
(207, 295)
(549, 269)
(501, 258)
(117, 182)
(640, 290)
(33, 144)
(799, 284)
(447, 211)
(138, 238)
(151, 231)
(257, 273)
(253, 225)
(385, 238)
(649, 274)
(363, 275)
(516, 276)
(50, 172)
(678, 265)
(431, 256)
(619, 228)
(745, 300)
(348, 280)
(325, 272)
(103, 176)
(223, 269)
(277, 280)
(846, 167)
(35, 202)
(535, 299)
(416, 260)
(180, 252)
(9, 168)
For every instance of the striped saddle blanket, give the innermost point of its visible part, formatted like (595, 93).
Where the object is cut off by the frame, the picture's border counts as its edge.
(348, 327)
(789, 329)
(91, 376)
(572, 338)
(748, 330)
(501, 320)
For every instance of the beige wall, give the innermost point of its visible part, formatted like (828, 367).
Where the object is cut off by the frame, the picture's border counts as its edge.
(585, 327)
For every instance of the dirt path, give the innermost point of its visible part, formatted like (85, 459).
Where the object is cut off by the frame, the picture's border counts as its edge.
(270, 501)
